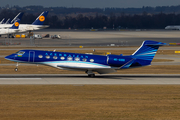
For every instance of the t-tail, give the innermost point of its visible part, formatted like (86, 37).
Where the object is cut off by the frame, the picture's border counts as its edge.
(40, 20)
(15, 25)
(146, 52)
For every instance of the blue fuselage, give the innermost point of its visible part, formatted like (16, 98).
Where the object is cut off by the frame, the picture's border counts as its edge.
(69, 59)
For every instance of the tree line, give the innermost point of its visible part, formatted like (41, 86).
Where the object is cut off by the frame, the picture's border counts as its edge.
(144, 21)
(106, 11)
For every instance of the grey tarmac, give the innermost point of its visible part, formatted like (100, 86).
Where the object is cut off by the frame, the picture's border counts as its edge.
(99, 38)
(83, 79)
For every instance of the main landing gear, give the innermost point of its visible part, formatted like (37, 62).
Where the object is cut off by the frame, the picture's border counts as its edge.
(16, 69)
(90, 74)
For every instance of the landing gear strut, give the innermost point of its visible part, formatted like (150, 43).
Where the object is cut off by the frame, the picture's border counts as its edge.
(16, 69)
(90, 74)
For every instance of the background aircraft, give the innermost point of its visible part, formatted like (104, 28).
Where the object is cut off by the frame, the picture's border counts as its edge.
(173, 27)
(2, 21)
(12, 29)
(36, 25)
(89, 63)
(9, 23)
(18, 16)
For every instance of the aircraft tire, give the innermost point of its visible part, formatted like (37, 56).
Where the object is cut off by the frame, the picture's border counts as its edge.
(16, 69)
(91, 75)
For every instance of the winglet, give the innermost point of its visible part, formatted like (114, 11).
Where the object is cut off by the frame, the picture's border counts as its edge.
(40, 20)
(15, 25)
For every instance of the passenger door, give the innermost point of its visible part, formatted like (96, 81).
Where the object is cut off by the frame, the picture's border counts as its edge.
(31, 56)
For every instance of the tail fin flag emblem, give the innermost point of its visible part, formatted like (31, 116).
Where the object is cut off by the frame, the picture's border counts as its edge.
(41, 18)
(16, 24)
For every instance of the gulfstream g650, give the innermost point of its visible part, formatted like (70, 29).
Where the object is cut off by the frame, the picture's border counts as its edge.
(89, 63)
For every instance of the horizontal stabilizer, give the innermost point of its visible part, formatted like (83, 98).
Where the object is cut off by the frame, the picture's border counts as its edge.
(128, 64)
(155, 44)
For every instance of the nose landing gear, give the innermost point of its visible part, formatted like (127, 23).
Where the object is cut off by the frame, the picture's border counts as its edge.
(16, 69)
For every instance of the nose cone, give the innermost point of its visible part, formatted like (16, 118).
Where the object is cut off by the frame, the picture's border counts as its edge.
(9, 57)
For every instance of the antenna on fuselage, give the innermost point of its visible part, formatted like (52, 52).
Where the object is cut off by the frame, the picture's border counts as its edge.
(54, 50)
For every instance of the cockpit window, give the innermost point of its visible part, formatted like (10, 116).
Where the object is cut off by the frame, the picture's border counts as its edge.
(20, 52)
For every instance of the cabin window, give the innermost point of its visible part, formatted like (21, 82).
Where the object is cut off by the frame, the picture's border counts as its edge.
(40, 56)
(77, 59)
(84, 59)
(55, 57)
(91, 60)
(62, 58)
(47, 56)
(69, 58)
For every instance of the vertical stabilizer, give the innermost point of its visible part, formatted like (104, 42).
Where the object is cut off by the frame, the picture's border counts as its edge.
(3, 21)
(15, 25)
(8, 21)
(18, 16)
(147, 50)
(40, 20)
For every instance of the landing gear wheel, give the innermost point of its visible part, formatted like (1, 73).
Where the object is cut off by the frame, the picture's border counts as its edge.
(91, 75)
(16, 69)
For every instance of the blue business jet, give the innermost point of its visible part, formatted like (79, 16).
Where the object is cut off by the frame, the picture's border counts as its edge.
(89, 63)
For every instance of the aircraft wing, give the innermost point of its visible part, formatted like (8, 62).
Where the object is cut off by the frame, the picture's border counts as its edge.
(99, 70)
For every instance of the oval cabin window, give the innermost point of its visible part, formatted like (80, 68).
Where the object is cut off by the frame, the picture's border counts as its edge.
(77, 59)
(62, 58)
(47, 56)
(55, 57)
(84, 59)
(69, 58)
(91, 60)
(40, 56)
